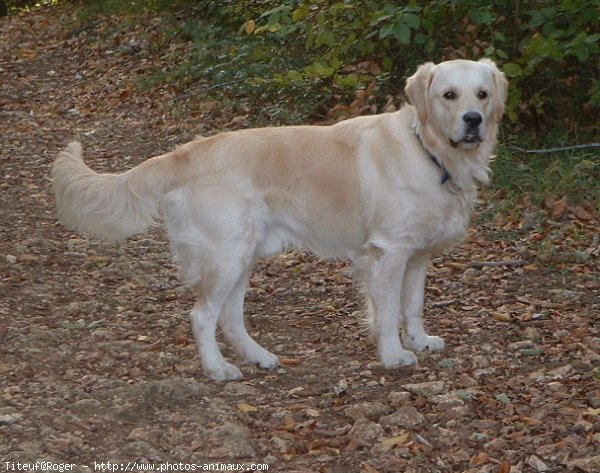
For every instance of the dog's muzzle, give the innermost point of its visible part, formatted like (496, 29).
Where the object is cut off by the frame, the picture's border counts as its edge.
(471, 139)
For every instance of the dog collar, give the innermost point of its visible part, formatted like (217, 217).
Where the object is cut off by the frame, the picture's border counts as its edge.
(445, 174)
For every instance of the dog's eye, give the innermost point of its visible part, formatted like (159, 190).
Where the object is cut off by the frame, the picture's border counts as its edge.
(482, 94)
(450, 95)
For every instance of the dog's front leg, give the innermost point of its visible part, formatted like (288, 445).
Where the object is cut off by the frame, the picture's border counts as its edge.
(413, 295)
(384, 286)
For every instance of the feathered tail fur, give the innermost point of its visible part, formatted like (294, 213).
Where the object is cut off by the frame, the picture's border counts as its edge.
(111, 207)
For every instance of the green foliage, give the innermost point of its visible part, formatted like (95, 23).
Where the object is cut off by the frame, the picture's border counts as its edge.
(94, 8)
(317, 53)
(12, 6)
(285, 62)
(544, 47)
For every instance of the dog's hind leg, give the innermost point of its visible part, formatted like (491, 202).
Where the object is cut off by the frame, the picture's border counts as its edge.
(213, 277)
(231, 321)
(211, 293)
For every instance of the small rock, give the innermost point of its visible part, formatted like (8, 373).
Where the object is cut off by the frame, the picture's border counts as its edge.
(460, 456)
(126, 413)
(281, 444)
(88, 407)
(427, 389)
(366, 430)
(29, 258)
(7, 419)
(480, 361)
(447, 400)
(369, 410)
(588, 465)
(11, 259)
(521, 345)
(340, 388)
(537, 464)
(465, 381)
(496, 445)
(483, 372)
(469, 274)
(240, 389)
(399, 397)
(593, 398)
(101, 334)
(174, 392)
(236, 439)
(561, 372)
(406, 417)
(141, 449)
(457, 412)
(143, 434)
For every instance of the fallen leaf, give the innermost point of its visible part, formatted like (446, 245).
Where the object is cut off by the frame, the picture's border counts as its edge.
(243, 407)
(558, 208)
(501, 317)
(250, 26)
(504, 467)
(479, 459)
(592, 412)
(389, 444)
(289, 361)
(368, 469)
(288, 423)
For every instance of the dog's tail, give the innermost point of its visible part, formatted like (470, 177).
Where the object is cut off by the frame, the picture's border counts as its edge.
(111, 207)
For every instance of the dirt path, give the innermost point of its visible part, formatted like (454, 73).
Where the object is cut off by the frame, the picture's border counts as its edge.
(97, 361)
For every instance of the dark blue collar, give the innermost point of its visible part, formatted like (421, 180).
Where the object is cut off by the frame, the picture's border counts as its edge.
(445, 174)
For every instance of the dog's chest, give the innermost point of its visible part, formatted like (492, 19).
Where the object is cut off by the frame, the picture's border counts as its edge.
(445, 220)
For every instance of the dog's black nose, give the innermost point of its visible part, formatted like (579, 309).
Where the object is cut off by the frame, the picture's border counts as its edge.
(473, 119)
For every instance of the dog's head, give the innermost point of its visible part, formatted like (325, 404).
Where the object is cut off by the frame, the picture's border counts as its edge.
(460, 101)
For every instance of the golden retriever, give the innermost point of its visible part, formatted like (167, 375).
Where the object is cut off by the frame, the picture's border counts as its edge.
(386, 191)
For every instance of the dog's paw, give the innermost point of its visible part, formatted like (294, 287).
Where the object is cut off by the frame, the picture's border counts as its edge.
(263, 359)
(426, 342)
(223, 372)
(397, 358)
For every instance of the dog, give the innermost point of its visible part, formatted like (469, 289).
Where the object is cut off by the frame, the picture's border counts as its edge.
(386, 191)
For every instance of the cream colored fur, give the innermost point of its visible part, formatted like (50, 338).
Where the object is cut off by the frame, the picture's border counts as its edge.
(363, 189)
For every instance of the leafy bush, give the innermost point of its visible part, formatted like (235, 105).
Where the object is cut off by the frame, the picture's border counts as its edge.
(545, 47)
(312, 54)
(283, 62)
(10, 6)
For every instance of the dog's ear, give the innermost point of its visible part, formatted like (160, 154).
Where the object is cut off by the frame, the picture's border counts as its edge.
(417, 90)
(500, 89)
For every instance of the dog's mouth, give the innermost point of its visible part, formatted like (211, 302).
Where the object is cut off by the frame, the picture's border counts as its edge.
(470, 141)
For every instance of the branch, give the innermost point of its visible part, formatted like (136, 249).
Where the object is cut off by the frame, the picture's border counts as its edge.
(495, 264)
(555, 150)
(208, 89)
